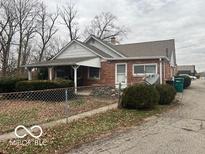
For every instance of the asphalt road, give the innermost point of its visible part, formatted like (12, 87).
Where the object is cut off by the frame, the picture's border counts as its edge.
(180, 131)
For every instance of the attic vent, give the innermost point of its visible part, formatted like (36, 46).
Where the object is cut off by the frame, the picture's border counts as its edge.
(167, 52)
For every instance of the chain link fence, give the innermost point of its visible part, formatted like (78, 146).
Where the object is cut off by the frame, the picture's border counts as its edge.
(37, 107)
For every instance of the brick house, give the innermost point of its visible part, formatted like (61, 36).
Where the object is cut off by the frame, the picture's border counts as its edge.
(98, 62)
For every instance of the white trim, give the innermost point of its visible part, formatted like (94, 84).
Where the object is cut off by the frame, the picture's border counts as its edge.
(75, 68)
(164, 71)
(143, 74)
(136, 58)
(93, 78)
(50, 73)
(160, 70)
(95, 62)
(125, 84)
(29, 73)
(104, 45)
(77, 43)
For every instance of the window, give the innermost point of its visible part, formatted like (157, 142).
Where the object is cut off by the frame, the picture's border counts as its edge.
(93, 73)
(151, 69)
(141, 69)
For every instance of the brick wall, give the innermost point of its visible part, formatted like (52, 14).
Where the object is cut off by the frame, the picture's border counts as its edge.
(107, 72)
(169, 71)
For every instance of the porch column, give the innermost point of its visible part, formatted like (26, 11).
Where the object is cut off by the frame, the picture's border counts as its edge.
(50, 73)
(75, 77)
(29, 73)
(160, 70)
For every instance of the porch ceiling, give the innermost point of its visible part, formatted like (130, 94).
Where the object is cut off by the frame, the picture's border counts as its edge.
(84, 61)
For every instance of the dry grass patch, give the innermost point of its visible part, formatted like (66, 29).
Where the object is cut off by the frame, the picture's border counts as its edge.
(62, 138)
(17, 112)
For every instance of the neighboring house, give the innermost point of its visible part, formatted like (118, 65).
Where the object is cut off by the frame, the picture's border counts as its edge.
(98, 62)
(186, 69)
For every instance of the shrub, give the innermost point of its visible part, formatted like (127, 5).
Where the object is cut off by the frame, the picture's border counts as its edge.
(42, 84)
(167, 93)
(140, 97)
(9, 84)
(187, 81)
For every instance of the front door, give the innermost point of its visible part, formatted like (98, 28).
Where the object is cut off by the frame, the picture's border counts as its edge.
(121, 74)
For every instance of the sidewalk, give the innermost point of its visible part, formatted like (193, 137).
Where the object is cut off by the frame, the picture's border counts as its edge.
(12, 135)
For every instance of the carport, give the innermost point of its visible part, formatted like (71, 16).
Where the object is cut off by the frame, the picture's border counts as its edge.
(74, 62)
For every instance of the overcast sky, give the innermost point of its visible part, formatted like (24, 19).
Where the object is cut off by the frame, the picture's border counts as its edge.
(148, 20)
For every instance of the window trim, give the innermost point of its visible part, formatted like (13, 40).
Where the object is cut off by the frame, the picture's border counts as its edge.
(142, 74)
(91, 77)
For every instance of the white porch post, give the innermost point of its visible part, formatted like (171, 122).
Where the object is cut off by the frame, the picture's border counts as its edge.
(160, 70)
(29, 73)
(75, 77)
(50, 73)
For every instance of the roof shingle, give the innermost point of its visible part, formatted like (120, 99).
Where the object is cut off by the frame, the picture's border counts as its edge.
(146, 49)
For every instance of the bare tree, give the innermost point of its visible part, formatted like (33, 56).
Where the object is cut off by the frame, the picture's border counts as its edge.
(25, 12)
(28, 36)
(68, 14)
(104, 26)
(7, 31)
(46, 28)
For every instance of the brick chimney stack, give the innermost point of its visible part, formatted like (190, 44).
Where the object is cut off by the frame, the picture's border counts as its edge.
(113, 40)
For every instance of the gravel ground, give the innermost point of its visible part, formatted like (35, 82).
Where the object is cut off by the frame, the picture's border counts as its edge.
(180, 131)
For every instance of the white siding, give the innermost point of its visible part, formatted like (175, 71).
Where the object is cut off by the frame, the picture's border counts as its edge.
(95, 62)
(75, 50)
(172, 59)
(102, 48)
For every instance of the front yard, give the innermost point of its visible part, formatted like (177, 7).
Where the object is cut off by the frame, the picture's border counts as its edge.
(62, 138)
(19, 112)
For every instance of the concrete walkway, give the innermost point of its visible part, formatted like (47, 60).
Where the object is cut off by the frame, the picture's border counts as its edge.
(180, 131)
(12, 135)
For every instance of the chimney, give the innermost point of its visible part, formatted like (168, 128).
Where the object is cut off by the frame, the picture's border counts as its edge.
(113, 40)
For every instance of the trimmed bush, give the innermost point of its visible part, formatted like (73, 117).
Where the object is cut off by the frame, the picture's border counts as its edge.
(140, 97)
(187, 81)
(167, 94)
(9, 84)
(42, 84)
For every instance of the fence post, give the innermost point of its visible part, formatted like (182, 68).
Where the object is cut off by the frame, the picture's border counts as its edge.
(119, 95)
(66, 105)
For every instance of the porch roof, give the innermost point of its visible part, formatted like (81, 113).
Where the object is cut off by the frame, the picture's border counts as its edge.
(85, 61)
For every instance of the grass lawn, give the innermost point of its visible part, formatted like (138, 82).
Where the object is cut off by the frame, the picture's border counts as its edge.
(64, 137)
(17, 112)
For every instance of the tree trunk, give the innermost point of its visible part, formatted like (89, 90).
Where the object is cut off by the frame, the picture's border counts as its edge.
(41, 54)
(5, 61)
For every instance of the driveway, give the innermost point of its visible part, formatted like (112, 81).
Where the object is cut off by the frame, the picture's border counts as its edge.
(180, 131)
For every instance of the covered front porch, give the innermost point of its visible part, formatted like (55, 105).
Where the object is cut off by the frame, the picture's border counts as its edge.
(79, 70)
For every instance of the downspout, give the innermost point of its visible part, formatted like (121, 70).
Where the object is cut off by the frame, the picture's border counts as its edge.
(160, 70)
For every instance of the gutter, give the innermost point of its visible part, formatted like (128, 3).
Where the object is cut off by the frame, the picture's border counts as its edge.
(133, 58)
